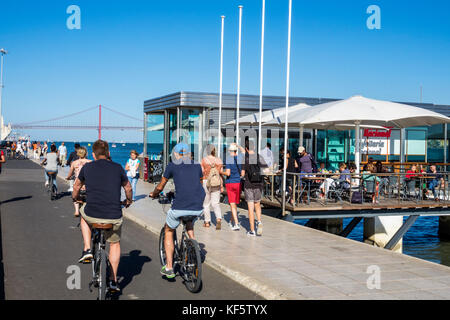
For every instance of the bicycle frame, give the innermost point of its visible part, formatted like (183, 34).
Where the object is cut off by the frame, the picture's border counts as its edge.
(98, 247)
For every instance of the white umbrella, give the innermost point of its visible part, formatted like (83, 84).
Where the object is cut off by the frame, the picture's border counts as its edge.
(367, 111)
(253, 119)
(359, 111)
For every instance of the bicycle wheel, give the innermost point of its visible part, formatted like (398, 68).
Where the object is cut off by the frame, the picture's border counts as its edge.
(102, 286)
(192, 266)
(162, 250)
(54, 192)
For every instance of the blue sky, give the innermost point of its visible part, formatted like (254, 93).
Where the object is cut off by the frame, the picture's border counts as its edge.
(129, 51)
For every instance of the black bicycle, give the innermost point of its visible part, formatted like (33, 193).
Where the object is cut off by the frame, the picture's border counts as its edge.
(101, 267)
(186, 259)
(51, 187)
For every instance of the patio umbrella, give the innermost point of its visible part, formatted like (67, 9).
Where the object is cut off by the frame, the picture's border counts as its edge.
(253, 119)
(359, 111)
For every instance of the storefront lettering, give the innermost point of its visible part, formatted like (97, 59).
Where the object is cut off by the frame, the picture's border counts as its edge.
(377, 134)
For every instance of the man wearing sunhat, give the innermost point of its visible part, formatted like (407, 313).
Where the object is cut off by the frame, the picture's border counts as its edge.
(189, 197)
(306, 162)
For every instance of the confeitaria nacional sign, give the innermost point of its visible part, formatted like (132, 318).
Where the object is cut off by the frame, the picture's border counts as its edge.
(387, 142)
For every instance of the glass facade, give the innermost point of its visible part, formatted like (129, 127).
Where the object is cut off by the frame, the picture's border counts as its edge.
(191, 125)
(155, 135)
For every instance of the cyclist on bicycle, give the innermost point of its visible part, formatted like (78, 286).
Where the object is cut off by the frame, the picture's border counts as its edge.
(189, 197)
(2, 159)
(103, 180)
(51, 161)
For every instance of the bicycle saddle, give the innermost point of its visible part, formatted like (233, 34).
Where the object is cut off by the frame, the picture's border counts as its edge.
(105, 226)
(51, 173)
(188, 218)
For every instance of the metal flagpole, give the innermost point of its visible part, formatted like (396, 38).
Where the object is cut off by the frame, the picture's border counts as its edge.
(219, 146)
(2, 53)
(239, 76)
(286, 127)
(261, 75)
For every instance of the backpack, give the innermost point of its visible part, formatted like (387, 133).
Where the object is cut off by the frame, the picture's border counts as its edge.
(254, 171)
(356, 197)
(213, 179)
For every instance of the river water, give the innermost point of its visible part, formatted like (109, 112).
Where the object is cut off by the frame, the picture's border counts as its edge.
(420, 241)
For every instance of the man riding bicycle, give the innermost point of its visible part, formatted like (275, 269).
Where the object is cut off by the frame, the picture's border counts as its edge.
(189, 197)
(103, 180)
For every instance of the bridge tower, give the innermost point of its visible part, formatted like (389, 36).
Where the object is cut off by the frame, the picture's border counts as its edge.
(100, 122)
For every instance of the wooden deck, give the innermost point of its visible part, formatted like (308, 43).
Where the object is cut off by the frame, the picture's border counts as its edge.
(347, 206)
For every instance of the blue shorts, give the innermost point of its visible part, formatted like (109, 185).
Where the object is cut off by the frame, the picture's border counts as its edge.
(173, 216)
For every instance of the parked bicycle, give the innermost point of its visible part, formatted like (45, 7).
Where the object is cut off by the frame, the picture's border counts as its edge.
(187, 260)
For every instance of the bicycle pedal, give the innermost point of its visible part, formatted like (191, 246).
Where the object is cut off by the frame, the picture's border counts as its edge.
(87, 261)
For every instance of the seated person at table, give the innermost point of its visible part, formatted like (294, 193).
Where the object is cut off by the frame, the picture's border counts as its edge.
(345, 175)
(412, 172)
(437, 180)
(322, 168)
(384, 180)
(354, 181)
(368, 175)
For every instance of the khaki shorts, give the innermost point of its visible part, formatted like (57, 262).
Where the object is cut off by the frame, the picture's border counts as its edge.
(112, 235)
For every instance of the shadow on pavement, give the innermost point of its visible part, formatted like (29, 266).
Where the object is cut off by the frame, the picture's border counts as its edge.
(16, 199)
(130, 265)
(141, 196)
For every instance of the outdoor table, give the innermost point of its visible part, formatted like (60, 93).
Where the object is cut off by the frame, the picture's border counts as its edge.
(271, 176)
(308, 177)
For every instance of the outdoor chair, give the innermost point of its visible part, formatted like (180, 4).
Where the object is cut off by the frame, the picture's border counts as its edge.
(338, 192)
(393, 186)
(370, 189)
(409, 190)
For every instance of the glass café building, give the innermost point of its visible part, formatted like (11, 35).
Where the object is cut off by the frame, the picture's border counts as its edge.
(196, 112)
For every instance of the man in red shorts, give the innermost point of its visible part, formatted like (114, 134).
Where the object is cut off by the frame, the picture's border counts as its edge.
(233, 182)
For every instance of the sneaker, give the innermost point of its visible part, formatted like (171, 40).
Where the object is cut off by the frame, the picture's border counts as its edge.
(259, 228)
(70, 190)
(167, 272)
(46, 183)
(251, 233)
(113, 287)
(236, 227)
(86, 256)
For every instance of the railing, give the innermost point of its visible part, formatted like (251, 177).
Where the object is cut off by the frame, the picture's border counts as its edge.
(370, 189)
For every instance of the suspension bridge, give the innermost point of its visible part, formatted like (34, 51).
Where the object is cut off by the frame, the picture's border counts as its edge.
(94, 118)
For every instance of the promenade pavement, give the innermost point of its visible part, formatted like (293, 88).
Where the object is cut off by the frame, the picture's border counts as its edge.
(290, 261)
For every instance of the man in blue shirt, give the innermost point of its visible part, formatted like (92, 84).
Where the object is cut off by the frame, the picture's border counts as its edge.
(104, 180)
(189, 197)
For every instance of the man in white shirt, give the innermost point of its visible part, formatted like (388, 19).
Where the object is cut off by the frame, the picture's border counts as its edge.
(62, 150)
(267, 155)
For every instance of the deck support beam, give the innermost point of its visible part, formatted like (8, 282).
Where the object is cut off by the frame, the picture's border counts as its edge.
(349, 228)
(334, 225)
(401, 232)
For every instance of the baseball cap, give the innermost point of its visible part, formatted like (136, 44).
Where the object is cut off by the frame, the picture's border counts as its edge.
(233, 147)
(182, 148)
(301, 149)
